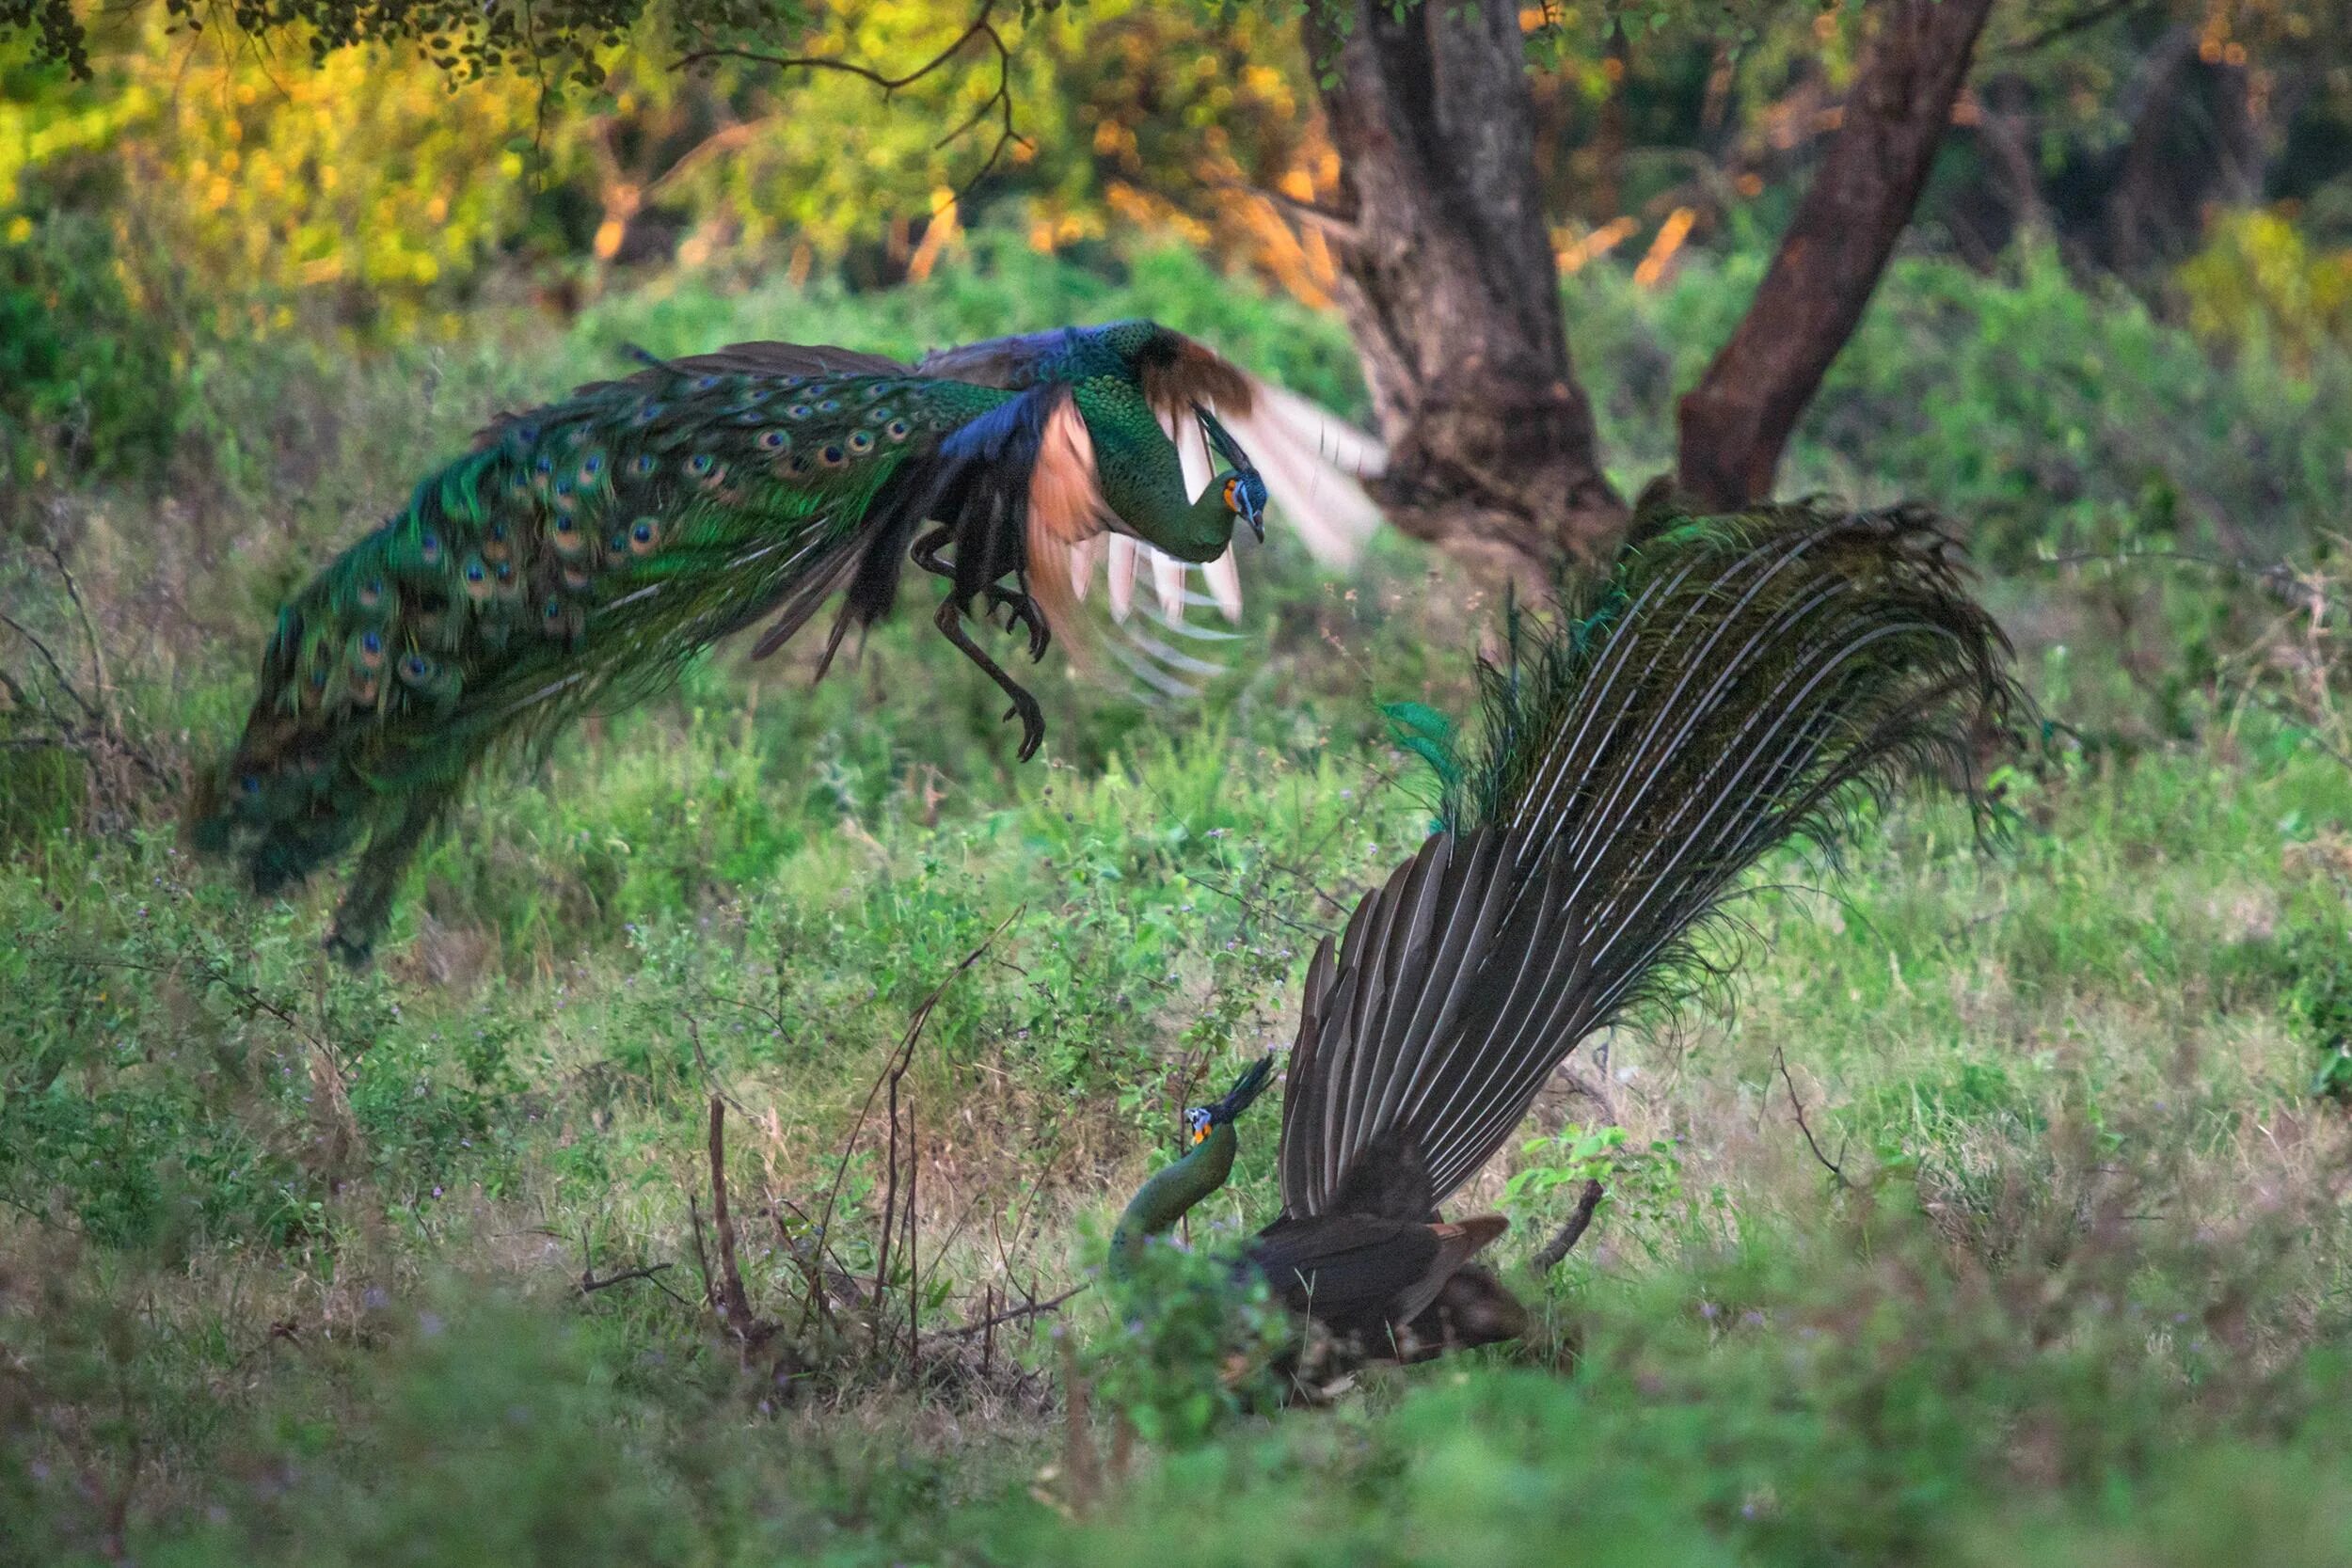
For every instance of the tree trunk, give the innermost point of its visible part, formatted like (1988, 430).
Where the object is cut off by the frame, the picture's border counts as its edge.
(1735, 424)
(1451, 289)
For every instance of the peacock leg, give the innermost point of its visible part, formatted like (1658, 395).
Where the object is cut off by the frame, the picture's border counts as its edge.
(924, 552)
(359, 918)
(1021, 607)
(950, 622)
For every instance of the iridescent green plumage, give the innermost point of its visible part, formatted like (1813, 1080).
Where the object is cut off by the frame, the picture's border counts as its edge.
(584, 553)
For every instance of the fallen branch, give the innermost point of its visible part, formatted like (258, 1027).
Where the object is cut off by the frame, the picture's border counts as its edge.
(590, 1283)
(1011, 1314)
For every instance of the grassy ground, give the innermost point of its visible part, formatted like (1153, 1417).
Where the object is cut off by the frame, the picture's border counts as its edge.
(1989, 1216)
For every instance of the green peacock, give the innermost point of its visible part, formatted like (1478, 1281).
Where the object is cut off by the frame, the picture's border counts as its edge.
(1736, 683)
(582, 555)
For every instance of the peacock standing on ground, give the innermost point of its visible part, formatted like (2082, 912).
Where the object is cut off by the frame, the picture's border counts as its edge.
(1737, 683)
(580, 555)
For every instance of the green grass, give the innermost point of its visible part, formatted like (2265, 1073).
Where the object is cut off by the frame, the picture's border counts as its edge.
(289, 1259)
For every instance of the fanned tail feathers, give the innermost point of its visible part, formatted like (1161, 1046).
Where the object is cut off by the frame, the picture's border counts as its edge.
(579, 556)
(1738, 683)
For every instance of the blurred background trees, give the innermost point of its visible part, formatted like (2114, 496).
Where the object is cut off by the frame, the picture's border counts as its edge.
(382, 174)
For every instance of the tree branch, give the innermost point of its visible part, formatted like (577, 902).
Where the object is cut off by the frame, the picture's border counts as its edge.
(1572, 1233)
(1736, 423)
(983, 26)
(2081, 21)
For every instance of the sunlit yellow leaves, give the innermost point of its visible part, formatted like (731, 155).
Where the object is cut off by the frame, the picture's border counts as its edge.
(2259, 284)
(366, 189)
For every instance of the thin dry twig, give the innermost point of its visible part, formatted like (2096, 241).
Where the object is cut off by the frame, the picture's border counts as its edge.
(893, 1067)
(1011, 1314)
(1835, 1169)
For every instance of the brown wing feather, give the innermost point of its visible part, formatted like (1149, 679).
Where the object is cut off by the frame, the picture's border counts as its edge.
(1193, 375)
(1067, 515)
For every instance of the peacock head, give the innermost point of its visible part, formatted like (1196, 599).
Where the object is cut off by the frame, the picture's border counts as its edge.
(1243, 490)
(1202, 1120)
(1245, 497)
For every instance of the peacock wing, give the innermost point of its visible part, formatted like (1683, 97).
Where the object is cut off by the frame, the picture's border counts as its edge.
(1345, 1270)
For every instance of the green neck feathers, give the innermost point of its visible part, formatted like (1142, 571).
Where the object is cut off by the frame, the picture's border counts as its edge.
(1168, 1195)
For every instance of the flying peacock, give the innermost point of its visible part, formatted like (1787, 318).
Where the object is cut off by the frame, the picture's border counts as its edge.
(1736, 683)
(581, 554)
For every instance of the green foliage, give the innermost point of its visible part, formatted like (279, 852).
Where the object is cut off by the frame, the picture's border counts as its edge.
(2316, 962)
(2050, 418)
(87, 390)
(2087, 1311)
(1189, 1345)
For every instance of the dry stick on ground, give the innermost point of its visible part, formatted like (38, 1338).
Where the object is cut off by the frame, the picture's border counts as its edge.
(903, 1051)
(1011, 1314)
(734, 1307)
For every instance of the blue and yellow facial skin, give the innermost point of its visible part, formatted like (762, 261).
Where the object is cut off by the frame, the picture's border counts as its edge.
(1245, 497)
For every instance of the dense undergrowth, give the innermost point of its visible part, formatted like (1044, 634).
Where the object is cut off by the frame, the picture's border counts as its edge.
(1994, 1219)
